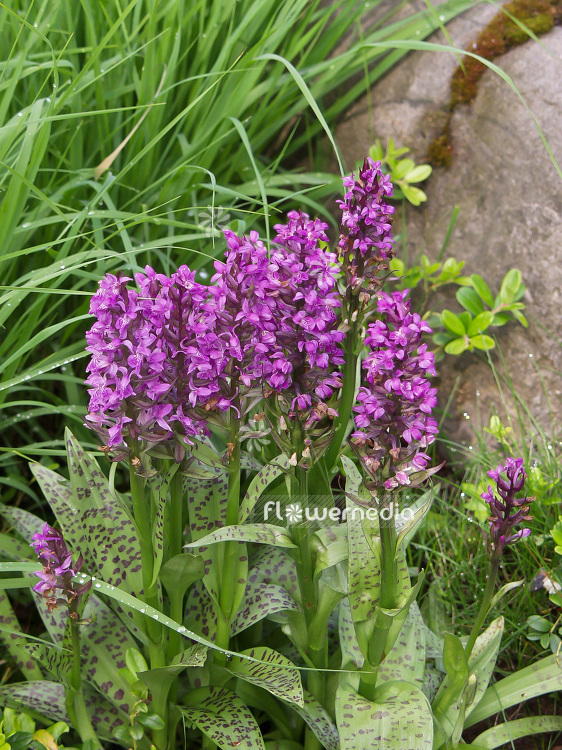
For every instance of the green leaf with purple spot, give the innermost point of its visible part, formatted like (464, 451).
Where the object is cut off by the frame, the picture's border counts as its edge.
(14, 644)
(261, 600)
(275, 676)
(258, 533)
(223, 718)
(399, 717)
(319, 721)
(260, 483)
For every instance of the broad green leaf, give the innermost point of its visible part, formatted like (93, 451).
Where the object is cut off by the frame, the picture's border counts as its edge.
(458, 346)
(223, 718)
(419, 173)
(482, 660)
(518, 315)
(93, 518)
(160, 680)
(13, 549)
(330, 547)
(406, 659)
(448, 704)
(161, 490)
(260, 483)
(284, 682)
(258, 533)
(262, 600)
(470, 300)
(48, 699)
(482, 289)
(510, 286)
(413, 194)
(545, 676)
(399, 717)
(480, 323)
(407, 530)
(453, 323)
(13, 643)
(56, 662)
(180, 572)
(318, 719)
(508, 732)
(482, 342)
(402, 167)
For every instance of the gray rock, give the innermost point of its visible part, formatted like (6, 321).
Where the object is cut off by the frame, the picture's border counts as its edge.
(510, 210)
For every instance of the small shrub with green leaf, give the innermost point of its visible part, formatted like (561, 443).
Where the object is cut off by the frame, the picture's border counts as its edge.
(403, 171)
(482, 310)
(18, 731)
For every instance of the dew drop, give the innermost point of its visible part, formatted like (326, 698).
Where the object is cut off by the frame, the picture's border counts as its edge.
(204, 36)
(90, 213)
(441, 18)
(62, 267)
(20, 114)
(25, 225)
(98, 585)
(48, 99)
(142, 611)
(531, 356)
(181, 629)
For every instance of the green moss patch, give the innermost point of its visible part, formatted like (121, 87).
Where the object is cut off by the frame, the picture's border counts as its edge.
(508, 29)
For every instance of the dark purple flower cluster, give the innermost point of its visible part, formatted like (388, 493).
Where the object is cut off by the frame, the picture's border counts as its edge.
(393, 415)
(168, 354)
(365, 214)
(366, 232)
(58, 570)
(503, 520)
(309, 300)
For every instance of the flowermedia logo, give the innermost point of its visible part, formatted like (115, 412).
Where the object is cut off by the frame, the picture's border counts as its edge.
(296, 513)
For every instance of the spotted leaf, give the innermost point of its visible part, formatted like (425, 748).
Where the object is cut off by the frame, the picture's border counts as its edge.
(260, 483)
(48, 699)
(276, 676)
(261, 600)
(319, 721)
(406, 659)
(223, 718)
(13, 643)
(399, 717)
(258, 533)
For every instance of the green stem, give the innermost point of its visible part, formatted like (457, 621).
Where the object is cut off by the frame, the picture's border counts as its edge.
(175, 540)
(388, 599)
(348, 395)
(229, 565)
(485, 603)
(308, 591)
(156, 649)
(82, 722)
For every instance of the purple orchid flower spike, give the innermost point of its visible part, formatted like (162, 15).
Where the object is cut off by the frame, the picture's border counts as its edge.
(393, 415)
(58, 571)
(366, 230)
(507, 511)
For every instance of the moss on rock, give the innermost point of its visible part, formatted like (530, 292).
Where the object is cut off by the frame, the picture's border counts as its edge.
(506, 30)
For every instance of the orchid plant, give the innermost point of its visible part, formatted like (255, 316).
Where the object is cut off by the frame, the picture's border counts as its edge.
(172, 608)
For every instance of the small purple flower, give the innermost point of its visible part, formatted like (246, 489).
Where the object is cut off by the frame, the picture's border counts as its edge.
(503, 518)
(393, 414)
(58, 570)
